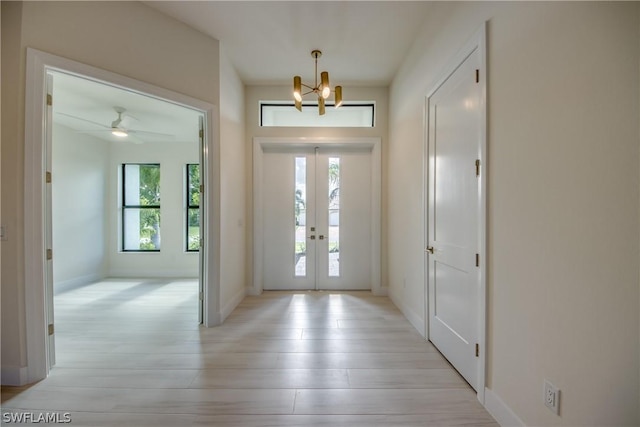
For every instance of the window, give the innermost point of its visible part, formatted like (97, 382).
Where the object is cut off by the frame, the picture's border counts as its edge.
(360, 115)
(141, 207)
(193, 208)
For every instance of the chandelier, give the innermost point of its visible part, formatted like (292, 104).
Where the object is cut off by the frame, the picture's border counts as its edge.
(322, 90)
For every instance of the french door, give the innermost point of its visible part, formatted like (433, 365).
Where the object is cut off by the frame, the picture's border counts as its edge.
(316, 218)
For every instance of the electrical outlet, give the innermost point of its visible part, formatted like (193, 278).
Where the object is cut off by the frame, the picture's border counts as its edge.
(551, 397)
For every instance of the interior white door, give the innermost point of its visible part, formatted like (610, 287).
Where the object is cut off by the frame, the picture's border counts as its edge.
(317, 218)
(453, 217)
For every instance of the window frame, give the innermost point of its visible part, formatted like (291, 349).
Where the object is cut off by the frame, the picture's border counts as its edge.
(313, 104)
(189, 206)
(125, 207)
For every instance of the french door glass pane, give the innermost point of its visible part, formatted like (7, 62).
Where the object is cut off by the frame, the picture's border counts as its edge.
(300, 214)
(334, 217)
(141, 229)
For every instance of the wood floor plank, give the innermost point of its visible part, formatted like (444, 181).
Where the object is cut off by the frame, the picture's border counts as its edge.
(387, 401)
(271, 378)
(130, 353)
(417, 420)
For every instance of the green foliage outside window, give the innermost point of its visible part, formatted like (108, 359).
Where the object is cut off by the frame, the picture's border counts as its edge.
(150, 196)
(193, 207)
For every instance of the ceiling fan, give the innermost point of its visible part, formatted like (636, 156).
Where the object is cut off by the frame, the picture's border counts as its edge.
(118, 128)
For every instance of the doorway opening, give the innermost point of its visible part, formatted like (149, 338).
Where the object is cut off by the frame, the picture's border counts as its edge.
(42, 68)
(124, 211)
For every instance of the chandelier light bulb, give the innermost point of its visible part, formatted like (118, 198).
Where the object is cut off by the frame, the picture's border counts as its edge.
(297, 88)
(338, 96)
(321, 109)
(324, 84)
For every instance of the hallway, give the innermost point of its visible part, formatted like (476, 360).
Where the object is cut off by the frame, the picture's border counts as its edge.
(129, 353)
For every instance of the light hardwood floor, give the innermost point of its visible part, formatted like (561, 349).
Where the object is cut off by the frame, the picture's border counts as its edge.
(129, 353)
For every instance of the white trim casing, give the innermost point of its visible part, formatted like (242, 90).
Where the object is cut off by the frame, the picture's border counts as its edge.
(500, 411)
(477, 41)
(38, 64)
(259, 143)
(13, 375)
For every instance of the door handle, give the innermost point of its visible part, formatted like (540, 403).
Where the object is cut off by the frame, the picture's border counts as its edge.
(429, 249)
(312, 237)
(321, 237)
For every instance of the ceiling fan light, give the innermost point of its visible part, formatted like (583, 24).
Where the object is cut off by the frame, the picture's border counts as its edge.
(321, 109)
(297, 89)
(120, 133)
(338, 96)
(326, 88)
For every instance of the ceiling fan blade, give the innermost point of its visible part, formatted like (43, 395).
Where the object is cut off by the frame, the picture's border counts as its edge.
(149, 133)
(84, 120)
(94, 131)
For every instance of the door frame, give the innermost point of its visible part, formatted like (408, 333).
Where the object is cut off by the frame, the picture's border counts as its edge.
(35, 215)
(476, 42)
(373, 143)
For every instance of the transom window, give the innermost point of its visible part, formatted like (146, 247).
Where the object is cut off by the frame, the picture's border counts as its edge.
(284, 114)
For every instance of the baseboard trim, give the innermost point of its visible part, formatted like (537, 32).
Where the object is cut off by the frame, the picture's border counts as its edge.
(78, 282)
(413, 318)
(500, 411)
(380, 292)
(253, 292)
(233, 303)
(152, 274)
(13, 375)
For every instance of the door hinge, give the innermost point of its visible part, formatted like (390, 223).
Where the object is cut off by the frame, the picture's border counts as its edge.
(49, 99)
(478, 167)
(477, 76)
(50, 328)
(477, 260)
(49, 254)
(201, 133)
(477, 350)
(202, 188)
(201, 296)
(47, 177)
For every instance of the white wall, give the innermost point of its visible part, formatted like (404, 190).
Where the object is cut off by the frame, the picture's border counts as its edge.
(563, 183)
(172, 260)
(13, 320)
(128, 38)
(233, 185)
(255, 94)
(79, 193)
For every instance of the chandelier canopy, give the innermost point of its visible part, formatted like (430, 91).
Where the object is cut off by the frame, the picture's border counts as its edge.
(321, 90)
